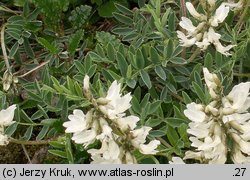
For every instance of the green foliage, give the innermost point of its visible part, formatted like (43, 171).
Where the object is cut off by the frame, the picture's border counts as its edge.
(19, 29)
(80, 15)
(138, 27)
(52, 15)
(107, 7)
(74, 41)
(47, 45)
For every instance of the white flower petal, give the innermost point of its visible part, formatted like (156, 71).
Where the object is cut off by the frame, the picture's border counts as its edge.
(192, 11)
(113, 151)
(203, 44)
(220, 15)
(85, 137)
(128, 122)
(150, 147)
(116, 104)
(210, 143)
(104, 148)
(140, 136)
(108, 154)
(187, 24)
(223, 49)
(194, 113)
(7, 115)
(240, 118)
(193, 155)
(106, 132)
(200, 131)
(195, 142)
(114, 91)
(238, 157)
(77, 122)
(212, 36)
(3, 140)
(184, 41)
(176, 160)
(246, 105)
(239, 95)
(243, 145)
(123, 103)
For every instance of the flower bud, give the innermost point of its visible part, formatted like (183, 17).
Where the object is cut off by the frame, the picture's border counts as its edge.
(7, 80)
(6, 86)
(198, 37)
(86, 83)
(234, 124)
(227, 111)
(200, 27)
(102, 101)
(193, 12)
(15, 79)
(211, 109)
(193, 155)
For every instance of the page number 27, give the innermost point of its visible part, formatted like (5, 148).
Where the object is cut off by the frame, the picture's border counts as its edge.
(239, 171)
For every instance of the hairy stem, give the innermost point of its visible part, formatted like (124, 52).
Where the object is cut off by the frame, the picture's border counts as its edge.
(5, 56)
(183, 8)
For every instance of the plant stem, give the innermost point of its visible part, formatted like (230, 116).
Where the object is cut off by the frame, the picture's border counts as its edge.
(240, 22)
(3, 8)
(184, 14)
(32, 70)
(242, 74)
(183, 8)
(154, 159)
(5, 56)
(29, 124)
(164, 142)
(194, 55)
(26, 153)
(171, 93)
(17, 141)
(176, 96)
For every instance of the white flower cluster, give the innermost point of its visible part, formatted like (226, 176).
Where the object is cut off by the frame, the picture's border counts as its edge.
(108, 123)
(224, 119)
(6, 119)
(204, 33)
